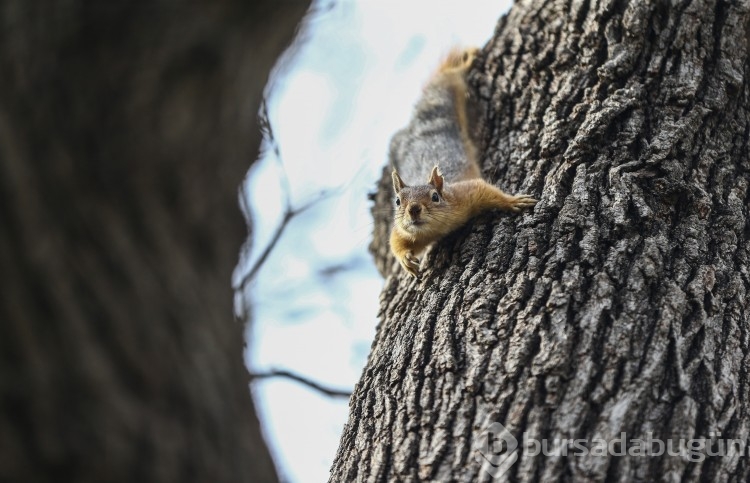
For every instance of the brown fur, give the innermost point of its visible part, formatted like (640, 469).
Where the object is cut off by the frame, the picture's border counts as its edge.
(421, 221)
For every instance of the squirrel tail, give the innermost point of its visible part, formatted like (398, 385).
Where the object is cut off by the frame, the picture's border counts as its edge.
(453, 71)
(458, 59)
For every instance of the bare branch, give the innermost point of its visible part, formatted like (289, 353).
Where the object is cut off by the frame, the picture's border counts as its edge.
(289, 210)
(289, 214)
(302, 380)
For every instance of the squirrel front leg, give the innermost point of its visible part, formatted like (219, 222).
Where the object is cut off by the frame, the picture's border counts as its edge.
(480, 195)
(403, 250)
(514, 203)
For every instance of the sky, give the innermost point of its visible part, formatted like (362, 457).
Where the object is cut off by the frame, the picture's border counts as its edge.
(333, 102)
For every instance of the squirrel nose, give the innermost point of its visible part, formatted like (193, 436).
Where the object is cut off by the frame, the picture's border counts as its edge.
(415, 210)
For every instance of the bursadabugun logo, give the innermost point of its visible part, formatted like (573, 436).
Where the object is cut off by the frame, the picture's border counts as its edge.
(496, 449)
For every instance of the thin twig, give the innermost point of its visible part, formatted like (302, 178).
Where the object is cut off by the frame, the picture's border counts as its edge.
(289, 213)
(302, 380)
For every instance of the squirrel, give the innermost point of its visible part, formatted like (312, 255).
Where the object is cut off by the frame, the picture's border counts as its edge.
(437, 145)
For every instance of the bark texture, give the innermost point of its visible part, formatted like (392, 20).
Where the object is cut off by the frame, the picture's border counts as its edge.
(126, 129)
(620, 304)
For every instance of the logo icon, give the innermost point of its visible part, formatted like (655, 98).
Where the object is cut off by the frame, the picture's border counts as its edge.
(496, 449)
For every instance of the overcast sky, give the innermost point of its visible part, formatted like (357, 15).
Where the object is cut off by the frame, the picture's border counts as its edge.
(333, 107)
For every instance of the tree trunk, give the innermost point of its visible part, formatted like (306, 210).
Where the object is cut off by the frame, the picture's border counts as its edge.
(126, 129)
(620, 304)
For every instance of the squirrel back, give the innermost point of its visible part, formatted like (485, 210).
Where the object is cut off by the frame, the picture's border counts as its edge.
(440, 129)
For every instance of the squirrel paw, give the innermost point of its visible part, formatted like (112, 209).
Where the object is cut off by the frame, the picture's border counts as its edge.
(410, 263)
(522, 202)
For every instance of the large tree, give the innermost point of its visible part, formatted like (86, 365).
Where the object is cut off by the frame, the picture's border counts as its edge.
(620, 304)
(126, 128)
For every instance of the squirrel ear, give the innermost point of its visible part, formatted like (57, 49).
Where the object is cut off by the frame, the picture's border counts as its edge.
(398, 183)
(436, 179)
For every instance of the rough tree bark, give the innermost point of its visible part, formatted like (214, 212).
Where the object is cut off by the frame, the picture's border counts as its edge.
(126, 129)
(621, 303)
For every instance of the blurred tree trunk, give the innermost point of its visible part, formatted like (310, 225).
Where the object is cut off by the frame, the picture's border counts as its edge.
(126, 129)
(621, 303)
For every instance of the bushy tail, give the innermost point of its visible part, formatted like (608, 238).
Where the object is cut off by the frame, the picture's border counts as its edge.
(452, 71)
(458, 59)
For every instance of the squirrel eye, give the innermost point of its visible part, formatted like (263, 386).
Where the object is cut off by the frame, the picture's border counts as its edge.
(435, 197)
(398, 201)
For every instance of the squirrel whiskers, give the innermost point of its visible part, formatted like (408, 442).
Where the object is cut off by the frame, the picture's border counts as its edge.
(440, 131)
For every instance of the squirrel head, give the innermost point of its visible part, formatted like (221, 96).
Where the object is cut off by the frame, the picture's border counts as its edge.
(418, 207)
